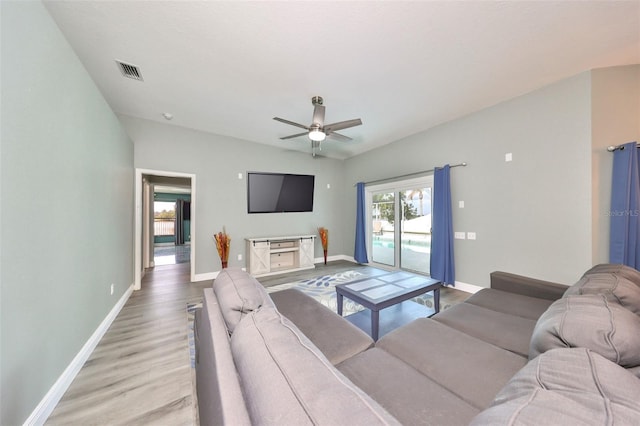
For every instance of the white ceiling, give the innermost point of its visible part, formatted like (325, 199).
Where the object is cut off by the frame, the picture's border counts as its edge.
(229, 67)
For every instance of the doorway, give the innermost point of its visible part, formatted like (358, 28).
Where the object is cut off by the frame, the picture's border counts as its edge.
(400, 224)
(165, 221)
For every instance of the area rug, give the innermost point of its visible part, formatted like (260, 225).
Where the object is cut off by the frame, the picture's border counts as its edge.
(323, 290)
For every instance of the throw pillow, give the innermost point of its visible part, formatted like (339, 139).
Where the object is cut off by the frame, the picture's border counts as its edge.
(238, 294)
(589, 321)
(563, 387)
(616, 287)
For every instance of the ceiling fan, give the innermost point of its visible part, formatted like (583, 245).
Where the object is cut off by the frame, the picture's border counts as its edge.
(318, 131)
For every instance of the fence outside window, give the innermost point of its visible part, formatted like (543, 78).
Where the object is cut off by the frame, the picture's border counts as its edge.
(163, 227)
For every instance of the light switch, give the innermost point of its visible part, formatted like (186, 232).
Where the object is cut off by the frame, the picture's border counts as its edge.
(471, 235)
(461, 204)
(459, 235)
(239, 175)
(508, 157)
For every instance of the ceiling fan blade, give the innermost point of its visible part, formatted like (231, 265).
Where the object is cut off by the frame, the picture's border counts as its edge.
(318, 115)
(339, 137)
(342, 125)
(282, 120)
(295, 136)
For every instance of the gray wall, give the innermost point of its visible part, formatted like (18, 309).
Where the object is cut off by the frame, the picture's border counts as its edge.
(532, 216)
(616, 120)
(220, 198)
(67, 203)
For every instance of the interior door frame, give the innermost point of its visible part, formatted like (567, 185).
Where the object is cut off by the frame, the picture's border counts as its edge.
(138, 271)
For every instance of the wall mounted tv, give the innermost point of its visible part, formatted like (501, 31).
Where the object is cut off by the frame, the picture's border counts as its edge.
(279, 192)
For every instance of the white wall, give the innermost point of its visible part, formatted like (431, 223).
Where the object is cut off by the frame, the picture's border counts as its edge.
(221, 197)
(67, 203)
(532, 216)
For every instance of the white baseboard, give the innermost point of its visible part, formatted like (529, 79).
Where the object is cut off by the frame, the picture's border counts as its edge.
(51, 399)
(469, 288)
(335, 257)
(208, 276)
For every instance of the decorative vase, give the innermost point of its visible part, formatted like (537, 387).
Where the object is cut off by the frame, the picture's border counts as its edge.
(325, 256)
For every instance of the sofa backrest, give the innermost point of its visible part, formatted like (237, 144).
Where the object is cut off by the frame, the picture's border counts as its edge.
(220, 399)
(287, 380)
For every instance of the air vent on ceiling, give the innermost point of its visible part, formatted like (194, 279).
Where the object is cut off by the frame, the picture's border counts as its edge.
(129, 70)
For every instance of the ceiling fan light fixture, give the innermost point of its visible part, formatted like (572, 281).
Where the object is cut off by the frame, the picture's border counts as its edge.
(317, 135)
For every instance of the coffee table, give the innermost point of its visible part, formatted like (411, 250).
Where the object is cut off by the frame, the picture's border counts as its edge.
(377, 293)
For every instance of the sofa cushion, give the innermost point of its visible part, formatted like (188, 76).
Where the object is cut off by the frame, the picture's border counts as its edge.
(287, 381)
(567, 386)
(589, 321)
(238, 294)
(336, 337)
(510, 303)
(506, 331)
(625, 271)
(411, 397)
(468, 367)
(615, 287)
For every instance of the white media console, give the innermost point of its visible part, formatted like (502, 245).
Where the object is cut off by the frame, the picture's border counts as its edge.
(275, 255)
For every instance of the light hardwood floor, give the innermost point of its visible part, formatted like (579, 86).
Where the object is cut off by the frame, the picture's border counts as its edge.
(140, 371)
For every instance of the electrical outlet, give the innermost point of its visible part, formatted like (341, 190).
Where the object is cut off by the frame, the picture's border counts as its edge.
(459, 235)
(112, 288)
(471, 235)
(239, 257)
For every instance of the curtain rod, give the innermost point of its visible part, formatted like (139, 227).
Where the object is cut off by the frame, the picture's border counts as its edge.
(612, 148)
(415, 174)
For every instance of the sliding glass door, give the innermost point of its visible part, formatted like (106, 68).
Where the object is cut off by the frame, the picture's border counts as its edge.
(383, 234)
(415, 235)
(400, 224)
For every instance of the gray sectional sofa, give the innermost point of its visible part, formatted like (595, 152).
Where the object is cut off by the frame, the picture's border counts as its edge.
(521, 352)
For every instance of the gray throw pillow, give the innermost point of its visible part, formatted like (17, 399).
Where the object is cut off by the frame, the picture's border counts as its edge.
(589, 321)
(238, 294)
(615, 287)
(625, 271)
(566, 387)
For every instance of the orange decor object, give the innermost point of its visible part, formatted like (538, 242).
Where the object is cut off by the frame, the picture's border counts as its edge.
(324, 239)
(223, 242)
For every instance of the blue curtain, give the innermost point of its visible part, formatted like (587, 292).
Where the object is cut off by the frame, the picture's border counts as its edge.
(360, 251)
(624, 243)
(442, 262)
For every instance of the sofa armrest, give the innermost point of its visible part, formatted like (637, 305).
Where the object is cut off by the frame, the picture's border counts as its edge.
(526, 286)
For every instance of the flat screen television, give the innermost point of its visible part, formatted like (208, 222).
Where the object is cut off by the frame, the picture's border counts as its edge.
(279, 192)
